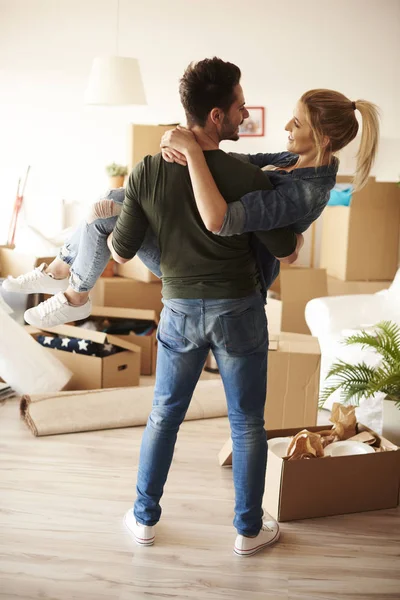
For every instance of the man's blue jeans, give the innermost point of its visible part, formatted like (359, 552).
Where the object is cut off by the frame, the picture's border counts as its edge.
(236, 331)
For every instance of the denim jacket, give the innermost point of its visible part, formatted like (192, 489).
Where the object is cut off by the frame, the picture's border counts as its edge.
(298, 199)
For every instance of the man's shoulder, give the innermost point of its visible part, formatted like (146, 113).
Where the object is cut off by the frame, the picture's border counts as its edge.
(145, 166)
(223, 160)
(232, 160)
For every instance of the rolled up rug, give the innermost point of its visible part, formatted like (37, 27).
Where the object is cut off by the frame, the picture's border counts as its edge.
(71, 412)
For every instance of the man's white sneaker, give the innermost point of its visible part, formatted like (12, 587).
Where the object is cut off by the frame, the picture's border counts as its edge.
(35, 282)
(143, 534)
(56, 311)
(268, 534)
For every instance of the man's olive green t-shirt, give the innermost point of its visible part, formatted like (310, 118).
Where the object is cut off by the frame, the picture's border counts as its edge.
(195, 263)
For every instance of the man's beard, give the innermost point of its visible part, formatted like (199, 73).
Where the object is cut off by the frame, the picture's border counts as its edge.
(228, 132)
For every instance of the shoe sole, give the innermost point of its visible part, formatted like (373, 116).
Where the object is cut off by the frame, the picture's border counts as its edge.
(140, 541)
(252, 551)
(37, 323)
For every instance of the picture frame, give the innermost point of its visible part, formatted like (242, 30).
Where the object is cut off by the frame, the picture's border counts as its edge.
(254, 125)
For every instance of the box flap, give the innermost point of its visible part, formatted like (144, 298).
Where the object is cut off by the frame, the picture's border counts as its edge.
(123, 343)
(78, 332)
(300, 343)
(124, 313)
(87, 334)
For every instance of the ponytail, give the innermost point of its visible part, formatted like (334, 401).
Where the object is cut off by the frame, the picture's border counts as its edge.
(369, 142)
(332, 115)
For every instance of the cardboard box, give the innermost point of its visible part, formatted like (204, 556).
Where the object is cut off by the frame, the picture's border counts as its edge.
(147, 343)
(135, 269)
(144, 140)
(337, 287)
(294, 362)
(16, 263)
(93, 372)
(127, 293)
(321, 487)
(294, 287)
(360, 242)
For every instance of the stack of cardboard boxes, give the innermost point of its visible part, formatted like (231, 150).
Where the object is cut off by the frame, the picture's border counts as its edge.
(360, 242)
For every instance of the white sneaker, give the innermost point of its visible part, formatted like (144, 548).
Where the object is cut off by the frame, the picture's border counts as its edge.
(246, 546)
(143, 534)
(56, 311)
(35, 282)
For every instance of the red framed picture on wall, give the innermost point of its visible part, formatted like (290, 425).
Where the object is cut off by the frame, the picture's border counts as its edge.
(253, 126)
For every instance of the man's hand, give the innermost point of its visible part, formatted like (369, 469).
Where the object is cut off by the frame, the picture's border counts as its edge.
(177, 143)
(288, 260)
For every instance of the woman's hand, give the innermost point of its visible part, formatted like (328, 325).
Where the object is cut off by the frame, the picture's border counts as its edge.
(179, 140)
(170, 155)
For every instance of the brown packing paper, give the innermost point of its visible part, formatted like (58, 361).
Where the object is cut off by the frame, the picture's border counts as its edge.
(305, 444)
(344, 420)
(70, 412)
(365, 437)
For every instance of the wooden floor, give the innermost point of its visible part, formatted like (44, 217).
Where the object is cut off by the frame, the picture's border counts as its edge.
(62, 502)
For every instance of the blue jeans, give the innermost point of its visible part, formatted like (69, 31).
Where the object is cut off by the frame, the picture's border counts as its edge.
(87, 253)
(236, 332)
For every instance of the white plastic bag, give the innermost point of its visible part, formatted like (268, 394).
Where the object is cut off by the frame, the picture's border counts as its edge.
(24, 364)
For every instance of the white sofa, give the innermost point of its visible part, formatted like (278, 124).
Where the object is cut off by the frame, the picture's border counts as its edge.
(331, 319)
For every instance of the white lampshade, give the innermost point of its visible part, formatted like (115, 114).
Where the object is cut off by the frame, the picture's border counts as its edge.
(115, 81)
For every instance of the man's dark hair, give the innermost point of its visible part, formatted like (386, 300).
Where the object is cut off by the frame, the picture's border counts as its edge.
(205, 85)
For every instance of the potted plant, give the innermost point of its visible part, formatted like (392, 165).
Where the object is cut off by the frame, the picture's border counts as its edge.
(362, 381)
(117, 174)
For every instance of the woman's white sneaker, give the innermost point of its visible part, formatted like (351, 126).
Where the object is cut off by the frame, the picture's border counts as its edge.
(35, 282)
(56, 311)
(143, 534)
(247, 546)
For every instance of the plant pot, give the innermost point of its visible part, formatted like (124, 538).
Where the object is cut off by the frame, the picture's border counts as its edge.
(117, 182)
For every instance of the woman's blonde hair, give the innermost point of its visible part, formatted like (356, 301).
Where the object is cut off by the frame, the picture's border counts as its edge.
(330, 114)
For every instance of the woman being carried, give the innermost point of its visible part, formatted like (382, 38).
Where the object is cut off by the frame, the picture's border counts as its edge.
(323, 123)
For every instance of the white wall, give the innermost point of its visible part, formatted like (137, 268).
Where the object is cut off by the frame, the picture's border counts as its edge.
(283, 49)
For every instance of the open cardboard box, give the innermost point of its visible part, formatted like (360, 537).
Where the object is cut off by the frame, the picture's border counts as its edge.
(147, 343)
(122, 292)
(93, 372)
(291, 291)
(332, 485)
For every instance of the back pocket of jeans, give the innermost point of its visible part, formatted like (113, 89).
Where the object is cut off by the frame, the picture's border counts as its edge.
(171, 331)
(243, 332)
